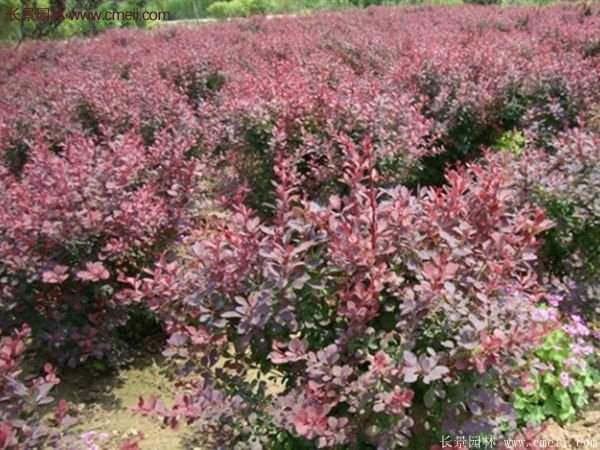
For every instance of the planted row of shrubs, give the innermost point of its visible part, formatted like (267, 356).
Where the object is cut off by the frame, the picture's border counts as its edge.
(397, 224)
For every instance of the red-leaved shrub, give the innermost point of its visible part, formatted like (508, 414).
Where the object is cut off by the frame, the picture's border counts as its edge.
(74, 225)
(22, 425)
(362, 306)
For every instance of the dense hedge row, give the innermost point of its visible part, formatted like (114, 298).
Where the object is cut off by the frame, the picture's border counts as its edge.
(392, 212)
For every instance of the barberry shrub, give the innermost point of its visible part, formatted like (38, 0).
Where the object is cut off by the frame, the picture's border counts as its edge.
(75, 225)
(379, 311)
(22, 424)
(568, 191)
(564, 182)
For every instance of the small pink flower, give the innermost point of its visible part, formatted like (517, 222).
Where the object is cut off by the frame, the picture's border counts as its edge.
(554, 300)
(380, 362)
(394, 402)
(581, 349)
(399, 400)
(544, 314)
(565, 379)
(571, 362)
(94, 272)
(198, 336)
(310, 421)
(55, 276)
(577, 327)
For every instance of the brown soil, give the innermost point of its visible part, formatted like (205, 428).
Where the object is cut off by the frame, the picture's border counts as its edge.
(583, 434)
(104, 404)
(105, 401)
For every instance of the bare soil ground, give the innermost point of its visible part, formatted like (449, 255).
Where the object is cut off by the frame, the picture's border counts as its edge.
(105, 402)
(583, 434)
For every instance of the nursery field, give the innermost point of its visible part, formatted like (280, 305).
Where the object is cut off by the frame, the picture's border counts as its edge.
(374, 229)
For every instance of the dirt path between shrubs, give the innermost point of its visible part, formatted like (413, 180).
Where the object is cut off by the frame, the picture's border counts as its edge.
(105, 401)
(104, 404)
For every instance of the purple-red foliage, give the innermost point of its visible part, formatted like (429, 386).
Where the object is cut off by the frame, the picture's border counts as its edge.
(369, 299)
(21, 423)
(357, 301)
(566, 183)
(76, 223)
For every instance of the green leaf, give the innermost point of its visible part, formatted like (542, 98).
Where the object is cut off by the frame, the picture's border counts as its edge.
(536, 415)
(580, 400)
(429, 398)
(551, 379)
(551, 408)
(566, 406)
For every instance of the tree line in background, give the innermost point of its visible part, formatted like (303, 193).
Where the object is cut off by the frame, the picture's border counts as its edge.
(26, 19)
(15, 25)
